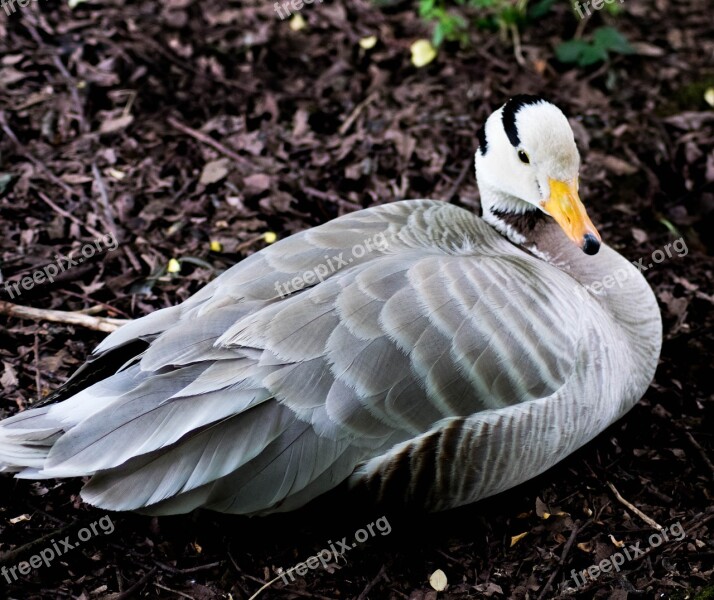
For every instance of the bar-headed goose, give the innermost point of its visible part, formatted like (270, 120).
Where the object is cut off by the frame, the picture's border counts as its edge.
(412, 348)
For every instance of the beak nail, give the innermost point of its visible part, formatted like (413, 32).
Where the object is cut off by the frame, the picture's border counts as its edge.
(591, 244)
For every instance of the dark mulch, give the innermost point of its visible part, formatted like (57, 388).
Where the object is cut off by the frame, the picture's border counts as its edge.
(95, 108)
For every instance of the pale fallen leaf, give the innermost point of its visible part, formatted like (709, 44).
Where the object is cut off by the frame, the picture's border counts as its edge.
(422, 53)
(618, 166)
(709, 97)
(216, 246)
(9, 376)
(517, 538)
(214, 171)
(116, 124)
(116, 173)
(256, 184)
(438, 580)
(8, 76)
(541, 508)
(174, 266)
(640, 235)
(297, 23)
(645, 49)
(489, 589)
(369, 42)
(75, 178)
(20, 519)
(615, 542)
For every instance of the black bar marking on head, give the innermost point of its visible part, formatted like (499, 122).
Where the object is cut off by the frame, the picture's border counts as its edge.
(482, 141)
(510, 109)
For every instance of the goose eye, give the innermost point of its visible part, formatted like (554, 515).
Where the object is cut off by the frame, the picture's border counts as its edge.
(523, 157)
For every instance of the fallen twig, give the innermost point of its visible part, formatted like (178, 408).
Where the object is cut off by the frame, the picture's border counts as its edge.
(106, 324)
(371, 584)
(345, 127)
(208, 140)
(131, 591)
(459, 179)
(104, 200)
(21, 149)
(651, 522)
(563, 556)
(701, 451)
(62, 212)
(163, 587)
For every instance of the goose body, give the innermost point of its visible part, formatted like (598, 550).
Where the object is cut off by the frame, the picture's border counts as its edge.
(414, 349)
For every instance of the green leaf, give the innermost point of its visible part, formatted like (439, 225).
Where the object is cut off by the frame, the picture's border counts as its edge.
(540, 9)
(570, 51)
(482, 3)
(487, 23)
(439, 35)
(510, 15)
(592, 54)
(426, 7)
(5, 179)
(614, 9)
(610, 38)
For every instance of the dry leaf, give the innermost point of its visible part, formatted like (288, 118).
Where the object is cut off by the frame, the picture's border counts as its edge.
(422, 53)
(640, 236)
(20, 519)
(517, 538)
(256, 184)
(438, 580)
(297, 22)
(369, 42)
(174, 266)
(117, 124)
(9, 376)
(75, 178)
(618, 166)
(214, 171)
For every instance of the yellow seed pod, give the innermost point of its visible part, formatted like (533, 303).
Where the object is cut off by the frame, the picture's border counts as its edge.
(422, 53)
(174, 266)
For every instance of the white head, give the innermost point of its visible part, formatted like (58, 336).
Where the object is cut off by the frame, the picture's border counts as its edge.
(527, 160)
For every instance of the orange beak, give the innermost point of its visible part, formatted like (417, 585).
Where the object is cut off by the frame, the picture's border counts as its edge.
(565, 207)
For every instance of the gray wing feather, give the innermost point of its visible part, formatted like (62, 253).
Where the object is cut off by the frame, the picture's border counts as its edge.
(247, 401)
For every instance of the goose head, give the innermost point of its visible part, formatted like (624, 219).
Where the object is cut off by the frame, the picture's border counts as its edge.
(527, 165)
